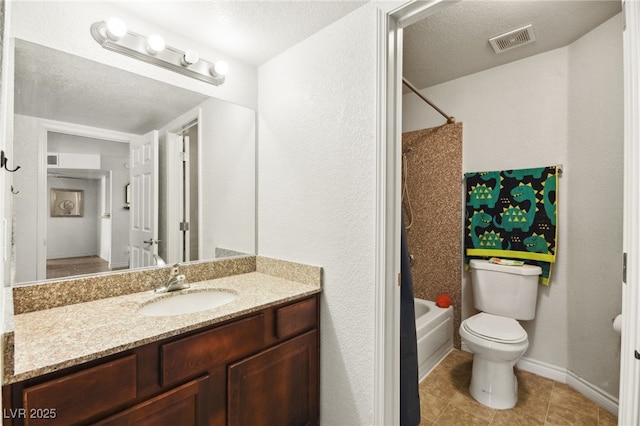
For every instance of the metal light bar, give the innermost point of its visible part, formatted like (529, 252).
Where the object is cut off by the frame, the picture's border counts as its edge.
(136, 46)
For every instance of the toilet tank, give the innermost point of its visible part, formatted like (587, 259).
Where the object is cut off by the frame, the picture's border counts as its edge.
(508, 291)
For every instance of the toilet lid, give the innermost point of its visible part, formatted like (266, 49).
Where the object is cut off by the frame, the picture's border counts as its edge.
(496, 328)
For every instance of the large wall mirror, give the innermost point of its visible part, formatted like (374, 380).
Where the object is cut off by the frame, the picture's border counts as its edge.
(163, 172)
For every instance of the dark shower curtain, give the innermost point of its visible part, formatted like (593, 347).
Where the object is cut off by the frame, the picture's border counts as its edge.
(409, 393)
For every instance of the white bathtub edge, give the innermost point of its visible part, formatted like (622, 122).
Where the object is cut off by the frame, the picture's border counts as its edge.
(434, 335)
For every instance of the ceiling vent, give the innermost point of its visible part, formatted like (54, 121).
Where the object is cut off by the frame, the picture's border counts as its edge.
(512, 39)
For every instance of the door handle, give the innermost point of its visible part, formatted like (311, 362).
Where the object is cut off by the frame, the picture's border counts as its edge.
(151, 241)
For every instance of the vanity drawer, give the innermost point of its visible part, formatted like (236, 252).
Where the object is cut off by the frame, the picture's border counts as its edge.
(79, 396)
(184, 406)
(296, 318)
(196, 354)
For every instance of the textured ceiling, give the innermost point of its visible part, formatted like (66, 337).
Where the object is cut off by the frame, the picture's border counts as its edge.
(77, 90)
(251, 31)
(454, 42)
(444, 46)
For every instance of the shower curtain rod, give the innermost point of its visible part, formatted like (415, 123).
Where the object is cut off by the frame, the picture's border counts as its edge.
(411, 87)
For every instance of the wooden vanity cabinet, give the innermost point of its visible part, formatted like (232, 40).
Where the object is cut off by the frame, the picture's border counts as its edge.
(277, 386)
(262, 368)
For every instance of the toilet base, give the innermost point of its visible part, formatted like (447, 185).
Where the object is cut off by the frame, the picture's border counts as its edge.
(493, 384)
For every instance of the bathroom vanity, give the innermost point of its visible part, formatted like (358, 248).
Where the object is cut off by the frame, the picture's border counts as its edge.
(254, 360)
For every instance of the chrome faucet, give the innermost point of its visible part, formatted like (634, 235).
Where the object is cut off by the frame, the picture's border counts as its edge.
(175, 282)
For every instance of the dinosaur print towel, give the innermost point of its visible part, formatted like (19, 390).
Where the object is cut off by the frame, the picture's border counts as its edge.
(512, 214)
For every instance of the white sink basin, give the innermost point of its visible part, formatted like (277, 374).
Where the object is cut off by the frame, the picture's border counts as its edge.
(187, 303)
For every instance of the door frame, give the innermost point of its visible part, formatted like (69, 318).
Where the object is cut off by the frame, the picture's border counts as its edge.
(44, 127)
(628, 410)
(390, 22)
(389, 117)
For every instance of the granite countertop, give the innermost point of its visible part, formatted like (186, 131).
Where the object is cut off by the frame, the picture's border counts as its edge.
(52, 339)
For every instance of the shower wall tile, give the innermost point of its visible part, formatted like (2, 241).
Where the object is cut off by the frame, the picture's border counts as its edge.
(432, 206)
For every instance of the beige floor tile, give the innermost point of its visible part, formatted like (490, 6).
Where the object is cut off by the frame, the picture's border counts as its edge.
(562, 395)
(441, 384)
(457, 357)
(464, 401)
(531, 406)
(424, 422)
(431, 406)
(457, 367)
(531, 384)
(605, 418)
(445, 400)
(513, 417)
(453, 416)
(564, 416)
(534, 393)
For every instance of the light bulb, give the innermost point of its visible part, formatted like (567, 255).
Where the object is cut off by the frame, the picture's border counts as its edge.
(116, 29)
(220, 68)
(155, 44)
(190, 57)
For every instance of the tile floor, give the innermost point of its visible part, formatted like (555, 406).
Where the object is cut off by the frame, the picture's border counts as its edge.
(60, 268)
(445, 400)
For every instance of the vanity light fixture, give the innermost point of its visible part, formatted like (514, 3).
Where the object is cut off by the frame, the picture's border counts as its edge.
(116, 29)
(155, 44)
(114, 35)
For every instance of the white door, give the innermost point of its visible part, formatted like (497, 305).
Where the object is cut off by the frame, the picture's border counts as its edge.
(144, 196)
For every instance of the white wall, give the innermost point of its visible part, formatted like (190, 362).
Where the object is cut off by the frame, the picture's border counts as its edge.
(25, 203)
(120, 217)
(316, 195)
(74, 236)
(545, 110)
(104, 229)
(227, 184)
(228, 178)
(64, 25)
(595, 180)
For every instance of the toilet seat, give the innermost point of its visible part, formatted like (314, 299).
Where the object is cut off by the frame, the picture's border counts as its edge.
(495, 328)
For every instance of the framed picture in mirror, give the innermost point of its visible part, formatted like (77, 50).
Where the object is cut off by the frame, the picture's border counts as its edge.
(67, 202)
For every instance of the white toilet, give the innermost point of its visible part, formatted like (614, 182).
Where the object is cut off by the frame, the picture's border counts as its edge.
(504, 294)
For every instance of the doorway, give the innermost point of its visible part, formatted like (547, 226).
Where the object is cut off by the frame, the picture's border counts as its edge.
(389, 207)
(182, 242)
(188, 227)
(97, 160)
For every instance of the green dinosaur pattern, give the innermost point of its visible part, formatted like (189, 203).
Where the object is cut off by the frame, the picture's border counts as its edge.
(522, 173)
(536, 244)
(550, 206)
(485, 194)
(515, 217)
(487, 240)
(512, 214)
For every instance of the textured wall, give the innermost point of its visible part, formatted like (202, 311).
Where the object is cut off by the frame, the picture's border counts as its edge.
(317, 204)
(433, 167)
(515, 116)
(558, 107)
(596, 202)
(74, 236)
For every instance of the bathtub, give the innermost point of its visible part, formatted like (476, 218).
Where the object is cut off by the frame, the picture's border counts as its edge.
(434, 332)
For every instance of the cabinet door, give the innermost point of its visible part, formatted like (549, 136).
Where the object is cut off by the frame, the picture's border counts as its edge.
(278, 386)
(184, 406)
(82, 395)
